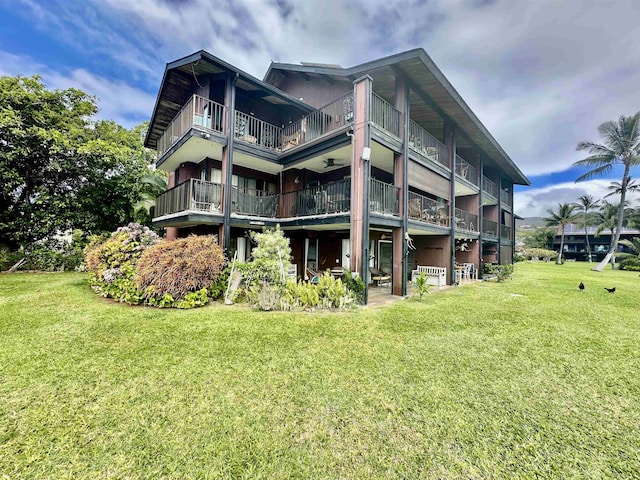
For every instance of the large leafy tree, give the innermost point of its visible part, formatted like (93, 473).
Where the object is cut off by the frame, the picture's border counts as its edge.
(621, 145)
(586, 204)
(61, 169)
(561, 218)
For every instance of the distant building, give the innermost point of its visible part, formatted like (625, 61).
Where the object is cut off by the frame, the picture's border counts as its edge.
(575, 245)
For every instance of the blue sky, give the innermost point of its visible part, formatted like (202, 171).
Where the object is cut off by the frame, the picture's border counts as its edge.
(540, 75)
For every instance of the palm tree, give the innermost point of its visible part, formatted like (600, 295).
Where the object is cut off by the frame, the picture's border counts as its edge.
(586, 203)
(616, 187)
(607, 219)
(151, 186)
(621, 146)
(561, 218)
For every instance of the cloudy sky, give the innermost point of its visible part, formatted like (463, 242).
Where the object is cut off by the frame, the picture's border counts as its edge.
(541, 75)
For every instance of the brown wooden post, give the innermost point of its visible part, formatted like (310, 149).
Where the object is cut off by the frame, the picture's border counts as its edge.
(359, 256)
(171, 232)
(450, 143)
(224, 237)
(400, 180)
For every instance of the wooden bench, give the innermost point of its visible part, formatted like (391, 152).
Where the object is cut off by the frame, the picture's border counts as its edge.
(435, 275)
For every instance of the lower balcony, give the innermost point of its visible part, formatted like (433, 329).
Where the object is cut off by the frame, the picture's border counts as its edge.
(466, 221)
(194, 195)
(201, 196)
(428, 210)
(489, 228)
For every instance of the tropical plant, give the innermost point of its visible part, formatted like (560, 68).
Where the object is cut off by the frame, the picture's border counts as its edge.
(607, 219)
(422, 285)
(586, 203)
(621, 145)
(501, 272)
(151, 185)
(561, 218)
(616, 188)
(630, 260)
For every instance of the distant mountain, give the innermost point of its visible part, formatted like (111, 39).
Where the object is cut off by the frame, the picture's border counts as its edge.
(530, 223)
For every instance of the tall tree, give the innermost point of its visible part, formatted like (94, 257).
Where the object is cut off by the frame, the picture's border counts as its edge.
(60, 169)
(561, 218)
(586, 203)
(621, 145)
(607, 219)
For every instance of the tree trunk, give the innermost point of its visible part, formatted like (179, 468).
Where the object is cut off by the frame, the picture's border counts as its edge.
(586, 237)
(599, 267)
(623, 197)
(559, 259)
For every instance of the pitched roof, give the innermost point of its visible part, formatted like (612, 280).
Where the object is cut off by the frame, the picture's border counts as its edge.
(433, 98)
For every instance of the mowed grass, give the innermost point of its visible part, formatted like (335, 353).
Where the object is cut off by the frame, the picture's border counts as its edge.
(527, 378)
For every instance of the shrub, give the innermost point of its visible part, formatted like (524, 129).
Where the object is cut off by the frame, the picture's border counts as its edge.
(422, 285)
(355, 285)
(332, 292)
(538, 253)
(631, 264)
(111, 262)
(271, 256)
(501, 271)
(180, 267)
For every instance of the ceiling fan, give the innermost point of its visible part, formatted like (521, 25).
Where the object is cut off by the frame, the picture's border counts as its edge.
(331, 162)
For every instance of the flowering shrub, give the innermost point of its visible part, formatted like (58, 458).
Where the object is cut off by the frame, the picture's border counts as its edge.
(111, 262)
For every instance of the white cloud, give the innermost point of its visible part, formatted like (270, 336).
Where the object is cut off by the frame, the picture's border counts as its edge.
(534, 202)
(540, 75)
(117, 101)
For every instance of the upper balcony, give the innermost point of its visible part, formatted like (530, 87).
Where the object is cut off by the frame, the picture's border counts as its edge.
(426, 145)
(467, 171)
(490, 189)
(505, 198)
(197, 112)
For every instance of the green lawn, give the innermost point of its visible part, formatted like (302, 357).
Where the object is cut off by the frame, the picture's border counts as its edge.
(526, 378)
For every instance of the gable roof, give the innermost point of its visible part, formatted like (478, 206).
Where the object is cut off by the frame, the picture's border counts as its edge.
(181, 76)
(433, 99)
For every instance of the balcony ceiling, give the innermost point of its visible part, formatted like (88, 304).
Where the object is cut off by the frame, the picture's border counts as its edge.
(432, 101)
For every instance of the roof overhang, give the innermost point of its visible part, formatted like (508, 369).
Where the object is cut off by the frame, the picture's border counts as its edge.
(181, 78)
(433, 99)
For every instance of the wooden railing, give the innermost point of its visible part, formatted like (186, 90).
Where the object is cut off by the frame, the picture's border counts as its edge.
(505, 232)
(465, 170)
(335, 197)
(384, 198)
(466, 221)
(192, 195)
(385, 115)
(258, 132)
(428, 210)
(332, 197)
(326, 119)
(198, 111)
(424, 143)
(489, 227)
(257, 203)
(490, 187)
(505, 197)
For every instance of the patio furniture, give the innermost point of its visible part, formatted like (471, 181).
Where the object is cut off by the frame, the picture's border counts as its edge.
(435, 275)
(379, 276)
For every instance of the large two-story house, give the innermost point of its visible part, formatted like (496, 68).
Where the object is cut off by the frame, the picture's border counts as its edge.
(378, 166)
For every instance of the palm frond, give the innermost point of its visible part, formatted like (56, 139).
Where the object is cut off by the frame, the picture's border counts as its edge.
(602, 170)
